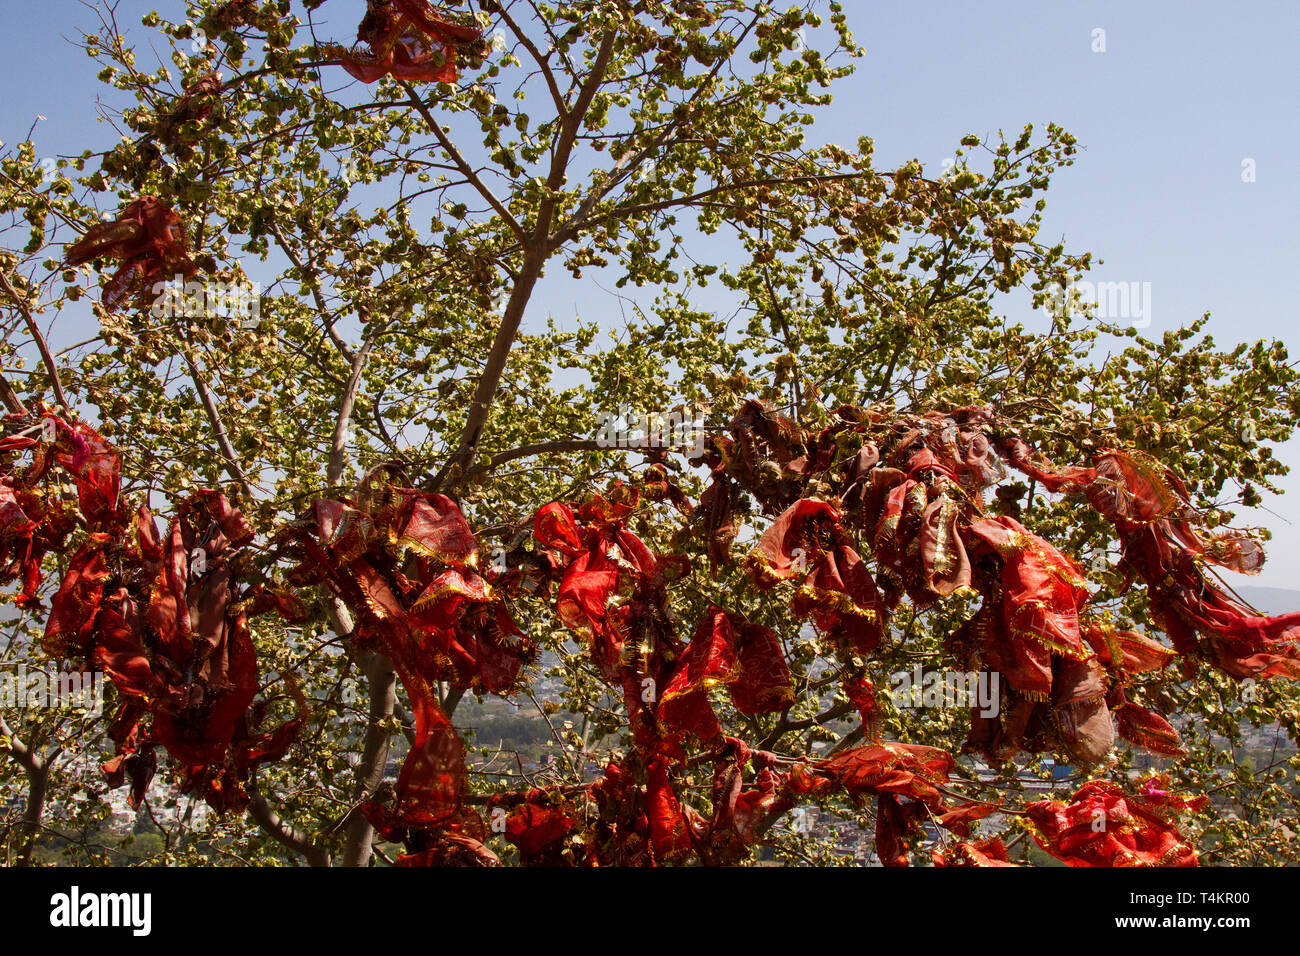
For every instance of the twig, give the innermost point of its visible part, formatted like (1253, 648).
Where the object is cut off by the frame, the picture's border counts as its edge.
(21, 304)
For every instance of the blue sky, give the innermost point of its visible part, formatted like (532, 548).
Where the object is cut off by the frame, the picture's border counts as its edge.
(1183, 94)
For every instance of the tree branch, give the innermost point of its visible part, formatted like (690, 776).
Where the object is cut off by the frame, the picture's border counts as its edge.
(38, 785)
(538, 247)
(46, 357)
(19, 750)
(466, 170)
(572, 445)
(338, 443)
(321, 306)
(281, 830)
(568, 136)
(575, 227)
(38, 782)
(631, 162)
(382, 681)
(561, 108)
(460, 462)
(10, 397)
(218, 428)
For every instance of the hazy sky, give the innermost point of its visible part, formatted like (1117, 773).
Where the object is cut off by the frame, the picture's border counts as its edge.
(1183, 94)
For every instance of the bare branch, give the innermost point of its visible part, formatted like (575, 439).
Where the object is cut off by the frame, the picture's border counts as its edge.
(29, 761)
(338, 455)
(632, 161)
(538, 247)
(544, 64)
(233, 467)
(466, 170)
(321, 306)
(10, 397)
(575, 227)
(283, 831)
(38, 781)
(569, 135)
(21, 304)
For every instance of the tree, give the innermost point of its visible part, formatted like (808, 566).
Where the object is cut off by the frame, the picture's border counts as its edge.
(406, 204)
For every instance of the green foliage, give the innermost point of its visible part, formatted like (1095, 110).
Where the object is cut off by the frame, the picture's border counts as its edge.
(395, 230)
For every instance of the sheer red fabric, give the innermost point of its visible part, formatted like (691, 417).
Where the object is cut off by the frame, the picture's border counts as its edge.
(1102, 826)
(1041, 588)
(409, 567)
(1021, 457)
(917, 538)
(537, 828)
(905, 780)
(166, 619)
(147, 239)
(907, 770)
(601, 559)
(962, 853)
(192, 108)
(407, 39)
(165, 613)
(837, 590)
(740, 813)
(671, 836)
(431, 782)
(1126, 653)
(32, 522)
(727, 651)
(1148, 506)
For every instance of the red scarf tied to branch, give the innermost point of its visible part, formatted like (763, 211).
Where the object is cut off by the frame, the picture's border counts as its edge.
(1102, 826)
(727, 651)
(408, 39)
(602, 561)
(407, 563)
(1149, 507)
(837, 590)
(149, 241)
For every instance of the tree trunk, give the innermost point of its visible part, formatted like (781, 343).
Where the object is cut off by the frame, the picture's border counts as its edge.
(38, 784)
(382, 682)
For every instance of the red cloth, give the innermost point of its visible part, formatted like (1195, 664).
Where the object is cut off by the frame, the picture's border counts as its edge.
(1042, 589)
(149, 241)
(727, 651)
(984, 853)
(1102, 826)
(408, 39)
(837, 591)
